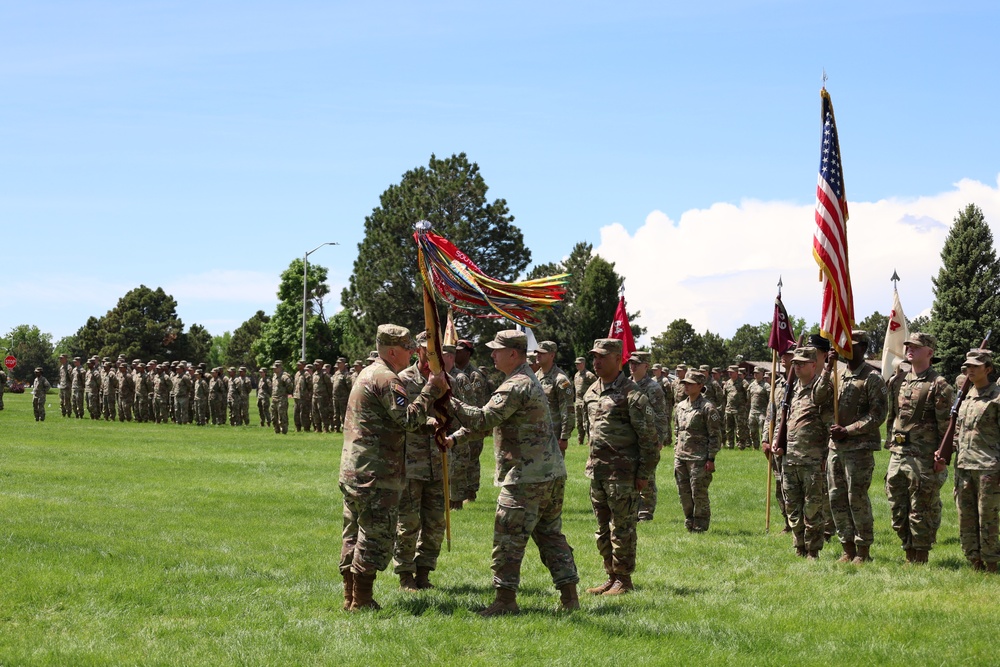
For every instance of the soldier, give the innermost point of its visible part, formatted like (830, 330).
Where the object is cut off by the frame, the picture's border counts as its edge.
(109, 392)
(126, 392)
(303, 397)
(342, 380)
(322, 397)
(638, 364)
(245, 396)
(281, 387)
(697, 428)
(264, 398)
(919, 410)
(181, 393)
(39, 388)
(558, 391)
(217, 395)
(3, 386)
(143, 390)
(201, 395)
(372, 465)
(77, 387)
(735, 402)
(758, 394)
(162, 387)
(623, 456)
(661, 376)
(679, 392)
(854, 439)
(581, 383)
(65, 386)
(420, 525)
(356, 369)
(92, 390)
(977, 470)
(234, 392)
(478, 392)
(530, 472)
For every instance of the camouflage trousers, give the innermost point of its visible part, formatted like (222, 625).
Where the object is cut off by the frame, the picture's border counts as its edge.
(848, 477)
(234, 411)
(582, 422)
(914, 493)
(465, 469)
(77, 403)
(279, 414)
(804, 503)
(755, 424)
(779, 493)
(217, 406)
(736, 431)
(264, 409)
(142, 410)
(419, 526)
(66, 401)
(647, 499)
(201, 411)
(535, 511)
(182, 410)
(339, 410)
(125, 408)
(108, 406)
(302, 414)
(692, 487)
(161, 409)
(322, 414)
(977, 497)
(616, 506)
(38, 406)
(93, 402)
(369, 528)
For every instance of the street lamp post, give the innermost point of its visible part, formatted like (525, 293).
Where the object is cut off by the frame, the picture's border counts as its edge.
(305, 292)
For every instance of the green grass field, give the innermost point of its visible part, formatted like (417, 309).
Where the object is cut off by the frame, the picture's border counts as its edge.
(140, 544)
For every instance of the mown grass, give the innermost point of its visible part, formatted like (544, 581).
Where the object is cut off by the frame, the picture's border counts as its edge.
(142, 544)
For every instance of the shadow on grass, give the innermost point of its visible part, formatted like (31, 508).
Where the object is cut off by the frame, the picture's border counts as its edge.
(950, 563)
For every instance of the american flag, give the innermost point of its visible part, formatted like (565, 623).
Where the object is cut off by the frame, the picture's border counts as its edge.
(830, 239)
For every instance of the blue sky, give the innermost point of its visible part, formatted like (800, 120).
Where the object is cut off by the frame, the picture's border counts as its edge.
(202, 146)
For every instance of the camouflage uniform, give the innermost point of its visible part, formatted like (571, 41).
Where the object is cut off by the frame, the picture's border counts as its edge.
(460, 464)
(39, 388)
(109, 394)
(78, 386)
(234, 396)
(479, 393)
(623, 449)
(126, 394)
(372, 465)
(772, 422)
(161, 396)
(3, 386)
(143, 394)
(245, 397)
(200, 399)
(654, 394)
(341, 390)
(264, 399)
(181, 394)
(809, 418)
(759, 393)
(862, 409)
(559, 393)
(735, 402)
(65, 389)
(919, 412)
(217, 397)
(281, 387)
(531, 474)
(697, 428)
(303, 400)
(581, 383)
(322, 399)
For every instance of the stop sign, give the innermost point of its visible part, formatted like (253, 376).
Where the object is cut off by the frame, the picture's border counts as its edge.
(10, 362)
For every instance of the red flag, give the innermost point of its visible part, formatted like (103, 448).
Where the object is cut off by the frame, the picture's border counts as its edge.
(830, 239)
(621, 330)
(782, 339)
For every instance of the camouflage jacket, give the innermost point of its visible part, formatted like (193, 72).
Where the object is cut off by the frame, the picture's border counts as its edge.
(581, 383)
(126, 385)
(216, 389)
(772, 408)
(162, 386)
(182, 386)
(79, 378)
(200, 389)
(479, 384)
(861, 409)
(281, 387)
(622, 431)
(341, 385)
(40, 387)
(235, 388)
(978, 436)
(654, 394)
(303, 386)
(735, 392)
(65, 376)
(679, 394)
(698, 430)
(109, 384)
(379, 414)
(264, 388)
(919, 411)
(423, 458)
(559, 392)
(322, 386)
(143, 386)
(810, 416)
(758, 395)
(525, 448)
(669, 394)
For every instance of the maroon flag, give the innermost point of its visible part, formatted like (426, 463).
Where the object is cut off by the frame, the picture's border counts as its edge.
(621, 330)
(782, 339)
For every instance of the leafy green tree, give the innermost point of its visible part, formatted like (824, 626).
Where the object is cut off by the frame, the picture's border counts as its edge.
(450, 193)
(143, 325)
(679, 344)
(32, 349)
(239, 350)
(713, 350)
(876, 325)
(66, 345)
(281, 336)
(750, 342)
(918, 323)
(220, 346)
(966, 290)
(196, 344)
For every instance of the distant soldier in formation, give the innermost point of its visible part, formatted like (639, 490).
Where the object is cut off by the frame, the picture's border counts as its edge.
(264, 398)
(735, 391)
(478, 393)
(697, 429)
(78, 386)
(234, 392)
(679, 392)
(303, 397)
(92, 390)
(109, 392)
(322, 397)
(181, 394)
(281, 387)
(201, 396)
(39, 389)
(126, 392)
(638, 364)
(356, 369)
(65, 386)
(342, 380)
(758, 395)
(581, 383)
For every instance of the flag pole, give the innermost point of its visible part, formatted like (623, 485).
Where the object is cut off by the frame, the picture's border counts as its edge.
(770, 437)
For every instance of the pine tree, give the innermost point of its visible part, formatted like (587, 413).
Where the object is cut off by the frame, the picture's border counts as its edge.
(966, 290)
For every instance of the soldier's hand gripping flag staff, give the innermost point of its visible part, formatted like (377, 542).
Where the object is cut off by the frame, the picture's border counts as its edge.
(449, 275)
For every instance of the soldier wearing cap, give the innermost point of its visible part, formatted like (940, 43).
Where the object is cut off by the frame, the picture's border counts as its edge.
(715, 378)
(303, 398)
(322, 397)
(919, 413)
(479, 390)
(372, 356)
(234, 390)
(77, 387)
(530, 471)
(341, 381)
(143, 392)
(39, 388)
(854, 439)
(126, 392)
(558, 390)
(183, 386)
(581, 383)
(697, 427)
(638, 364)
(532, 359)
(65, 386)
(281, 386)
(679, 394)
(663, 378)
(264, 384)
(735, 392)
(623, 457)
(977, 470)
(758, 395)
(217, 397)
(372, 465)
(244, 397)
(356, 369)
(200, 388)
(161, 395)
(109, 392)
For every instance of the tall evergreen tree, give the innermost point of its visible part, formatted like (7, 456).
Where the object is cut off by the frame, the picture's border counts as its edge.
(966, 290)
(238, 350)
(142, 325)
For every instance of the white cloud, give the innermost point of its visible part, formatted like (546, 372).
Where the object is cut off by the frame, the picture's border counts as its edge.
(718, 267)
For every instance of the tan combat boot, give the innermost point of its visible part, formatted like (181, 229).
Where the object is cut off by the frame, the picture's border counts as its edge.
(864, 555)
(801, 552)
(504, 604)
(990, 567)
(606, 586)
(407, 582)
(812, 554)
(363, 585)
(850, 553)
(622, 585)
(423, 578)
(920, 556)
(348, 590)
(568, 598)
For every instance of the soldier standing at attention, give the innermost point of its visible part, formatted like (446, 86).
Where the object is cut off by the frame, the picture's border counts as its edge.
(126, 392)
(668, 392)
(65, 386)
(109, 392)
(679, 392)
(977, 470)
(372, 465)
(181, 393)
(217, 397)
(531, 474)
(78, 386)
(623, 456)
(697, 426)
(638, 364)
(919, 416)
(264, 398)
(200, 398)
(854, 439)
(758, 394)
(39, 388)
(356, 369)
(161, 396)
(322, 389)
(245, 396)
(341, 390)
(735, 391)
(234, 390)
(478, 393)
(558, 391)
(581, 383)
(281, 387)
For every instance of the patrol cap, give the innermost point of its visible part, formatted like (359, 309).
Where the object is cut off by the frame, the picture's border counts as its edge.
(465, 344)
(448, 349)
(341, 359)
(694, 377)
(358, 362)
(805, 353)
(716, 369)
(606, 346)
(309, 367)
(733, 369)
(300, 362)
(533, 356)
(978, 357)
(860, 337)
(243, 369)
(392, 335)
(511, 339)
(38, 369)
(317, 362)
(327, 366)
(705, 368)
(921, 340)
(277, 364)
(581, 360)
(639, 356)
(657, 367)
(232, 369)
(759, 369)
(62, 356)
(421, 339)
(77, 359)
(818, 342)
(548, 346)
(681, 367)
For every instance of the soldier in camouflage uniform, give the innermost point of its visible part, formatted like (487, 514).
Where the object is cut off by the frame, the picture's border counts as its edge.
(372, 465)
(479, 392)
(810, 416)
(78, 386)
(919, 412)
(341, 390)
(234, 389)
(200, 398)
(126, 392)
(697, 427)
(322, 398)
(245, 397)
(161, 395)
(3, 386)
(39, 388)
(772, 422)
(281, 387)
(217, 397)
(669, 397)
(977, 470)
(109, 392)
(854, 439)
(65, 386)
(181, 393)
(558, 390)
(581, 383)
(758, 394)
(264, 398)
(735, 391)
(303, 399)
(679, 392)
(530, 472)
(639, 365)
(623, 456)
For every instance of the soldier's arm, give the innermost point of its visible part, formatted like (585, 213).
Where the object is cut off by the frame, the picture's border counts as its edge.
(567, 396)
(411, 416)
(944, 397)
(659, 404)
(643, 420)
(878, 405)
(714, 422)
(501, 405)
